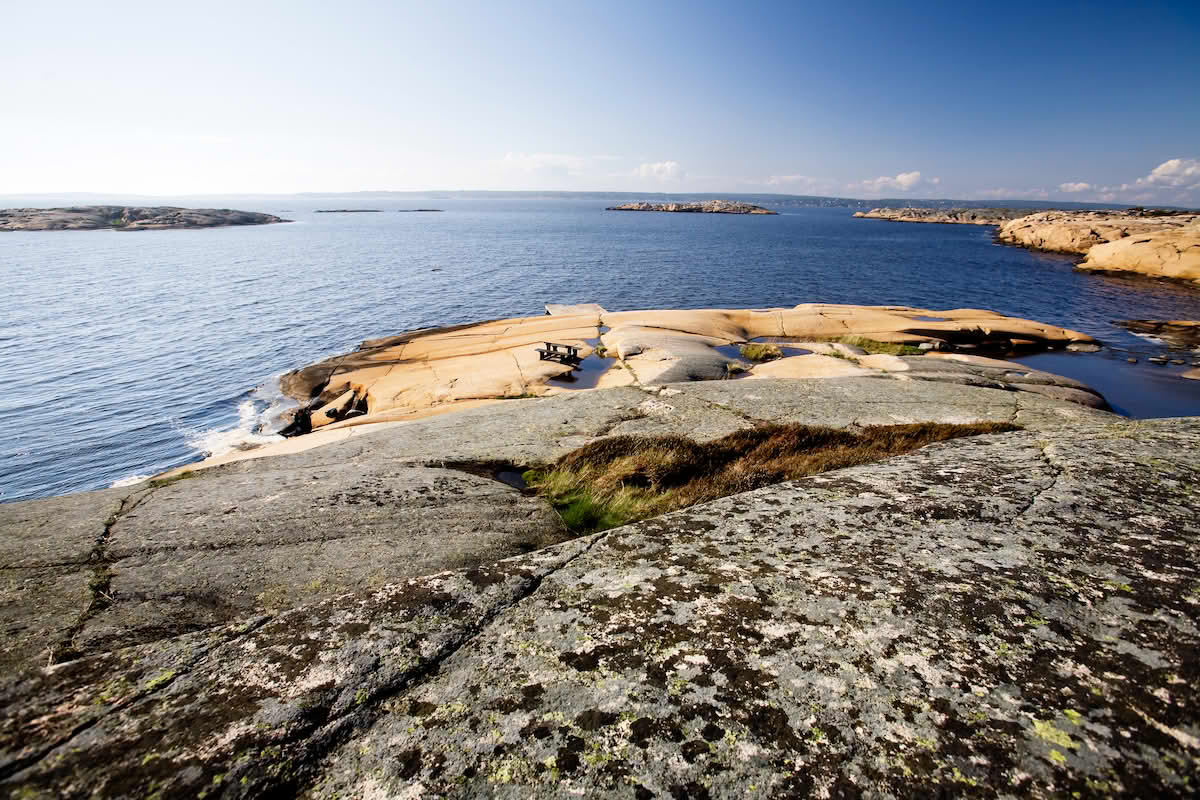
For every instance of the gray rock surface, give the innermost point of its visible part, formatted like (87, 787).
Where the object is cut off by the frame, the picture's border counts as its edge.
(126, 218)
(1009, 615)
(1003, 375)
(91, 572)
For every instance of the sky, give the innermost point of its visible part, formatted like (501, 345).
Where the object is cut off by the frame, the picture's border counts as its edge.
(1082, 101)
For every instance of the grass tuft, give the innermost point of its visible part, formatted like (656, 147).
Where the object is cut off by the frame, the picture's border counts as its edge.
(158, 483)
(621, 479)
(875, 347)
(757, 352)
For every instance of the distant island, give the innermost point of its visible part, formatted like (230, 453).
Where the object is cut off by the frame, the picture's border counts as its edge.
(415, 210)
(957, 216)
(348, 210)
(705, 207)
(127, 218)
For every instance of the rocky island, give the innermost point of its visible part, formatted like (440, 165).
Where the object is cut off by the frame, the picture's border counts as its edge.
(1155, 243)
(956, 216)
(705, 207)
(126, 218)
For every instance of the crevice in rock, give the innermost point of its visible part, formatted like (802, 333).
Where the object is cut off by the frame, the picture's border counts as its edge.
(520, 372)
(500, 471)
(150, 688)
(316, 743)
(629, 416)
(1056, 474)
(43, 565)
(626, 365)
(99, 582)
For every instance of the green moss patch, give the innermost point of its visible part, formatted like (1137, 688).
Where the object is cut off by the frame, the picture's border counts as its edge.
(875, 347)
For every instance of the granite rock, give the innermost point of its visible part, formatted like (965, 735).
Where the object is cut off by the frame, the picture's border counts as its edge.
(126, 218)
(1007, 615)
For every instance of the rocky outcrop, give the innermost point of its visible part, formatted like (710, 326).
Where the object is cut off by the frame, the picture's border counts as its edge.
(1176, 332)
(1171, 254)
(442, 369)
(1007, 615)
(1158, 244)
(1080, 231)
(126, 218)
(705, 207)
(958, 216)
(200, 547)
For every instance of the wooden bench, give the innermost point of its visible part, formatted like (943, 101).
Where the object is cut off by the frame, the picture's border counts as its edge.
(562, 353)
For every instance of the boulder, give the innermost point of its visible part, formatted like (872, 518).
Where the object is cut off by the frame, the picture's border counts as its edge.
(1171, 254)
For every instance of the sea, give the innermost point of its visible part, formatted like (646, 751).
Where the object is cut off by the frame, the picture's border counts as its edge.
(124, 354)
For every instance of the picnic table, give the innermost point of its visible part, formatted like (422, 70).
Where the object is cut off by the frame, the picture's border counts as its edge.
(562, 353)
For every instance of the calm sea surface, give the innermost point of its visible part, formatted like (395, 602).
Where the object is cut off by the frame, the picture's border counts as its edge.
(124, 354)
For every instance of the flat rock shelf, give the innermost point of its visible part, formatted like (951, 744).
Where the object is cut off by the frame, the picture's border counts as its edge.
(1007, 614)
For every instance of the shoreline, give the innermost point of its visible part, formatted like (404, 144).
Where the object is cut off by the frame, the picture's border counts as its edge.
(1150, 244)
(435, 371)
(128, 218)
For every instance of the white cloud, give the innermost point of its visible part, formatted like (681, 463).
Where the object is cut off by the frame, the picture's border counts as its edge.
(1175, 173)
(660, 170)
(902, 182)
(1074, 187)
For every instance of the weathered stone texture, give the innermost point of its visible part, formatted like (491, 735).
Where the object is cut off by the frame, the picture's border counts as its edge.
(1009, 615)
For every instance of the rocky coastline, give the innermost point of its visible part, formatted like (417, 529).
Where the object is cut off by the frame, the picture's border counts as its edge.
(705, 207)
(1157, 244)
(954, 216)
(433, 371)
(1010, 613)
(127, 218)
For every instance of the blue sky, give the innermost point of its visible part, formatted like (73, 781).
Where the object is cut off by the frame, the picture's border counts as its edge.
(1072, 101)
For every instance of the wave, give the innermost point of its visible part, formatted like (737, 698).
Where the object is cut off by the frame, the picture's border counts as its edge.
(259, 415)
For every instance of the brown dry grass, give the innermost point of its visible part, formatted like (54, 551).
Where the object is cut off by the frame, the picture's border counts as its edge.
(625, 478)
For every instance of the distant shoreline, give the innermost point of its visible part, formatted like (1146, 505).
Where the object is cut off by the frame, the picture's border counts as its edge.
(127, 218)
(1156, 243)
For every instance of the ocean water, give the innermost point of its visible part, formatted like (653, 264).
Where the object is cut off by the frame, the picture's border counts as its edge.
(125, 354)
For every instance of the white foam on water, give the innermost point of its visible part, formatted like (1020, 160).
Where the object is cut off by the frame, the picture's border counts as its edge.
(129, 481)
(1148, 337)
(258, 417)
